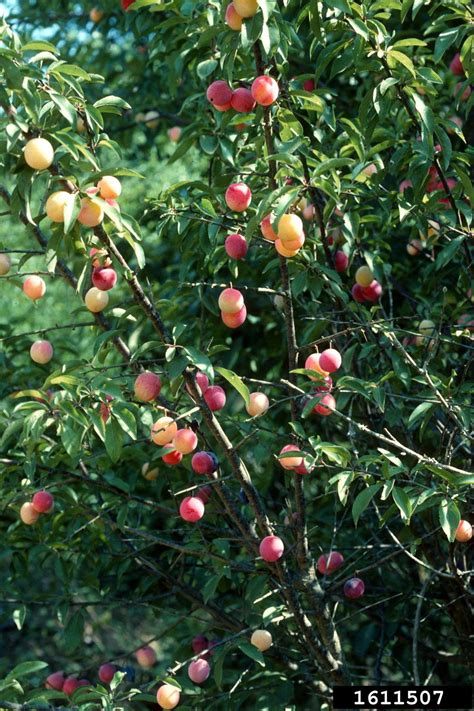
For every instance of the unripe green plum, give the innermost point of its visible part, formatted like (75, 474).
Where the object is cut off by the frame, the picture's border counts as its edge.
(364, 276)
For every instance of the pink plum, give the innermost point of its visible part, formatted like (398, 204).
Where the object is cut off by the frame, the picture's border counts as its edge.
(236, 246)
(456, 66)
(330, 360)
(242, 100)
(238, 197)
(104, 278)
(107, 672)
(168, 696)
(325, 406)
(173, 457)
(55, 681)
(219, 94)
(266, 228)
(41, 352)
(147, 386)
(265, 90)
(215, 397)
(185, 441)
(146, 657)
(234, 320)
(463, 531)
(204, 463)
(271, 548)
(291, 462)
(199, 670)
(43, 502)
(231, 301)
(191, 509)
(329, 562)
(341, 261)
(34, 287)
(354, 588)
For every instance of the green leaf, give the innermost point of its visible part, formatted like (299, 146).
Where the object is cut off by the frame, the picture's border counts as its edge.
(26, 668)
(236, 382)
(113, 439)
(251, 651)
(65, 107)
(39, 46)
(362, 500)
(205, 68)
(403, 502)
(394, 57)
(419, 412)
(449, 517)
(200, 360)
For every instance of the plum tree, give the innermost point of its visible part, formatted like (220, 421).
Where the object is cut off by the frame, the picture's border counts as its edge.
(280, 144)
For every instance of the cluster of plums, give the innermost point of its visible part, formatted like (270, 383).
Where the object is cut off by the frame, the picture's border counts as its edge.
(264, 91)
(41, 503)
